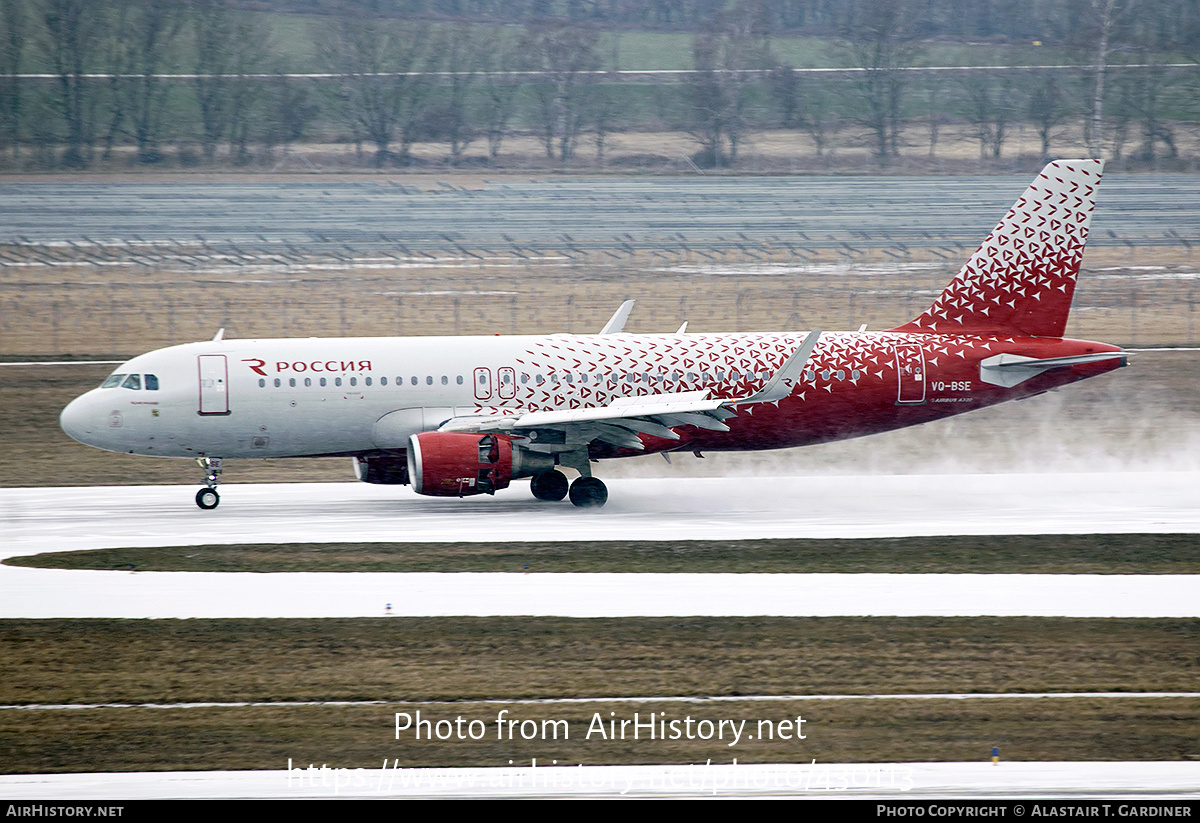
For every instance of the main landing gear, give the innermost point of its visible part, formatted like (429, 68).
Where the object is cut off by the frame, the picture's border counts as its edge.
(207, 498)
(551, 485)
(585, 492)
(589, 492)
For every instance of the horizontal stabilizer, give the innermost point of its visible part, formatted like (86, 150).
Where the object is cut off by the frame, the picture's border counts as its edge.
(1009, 370)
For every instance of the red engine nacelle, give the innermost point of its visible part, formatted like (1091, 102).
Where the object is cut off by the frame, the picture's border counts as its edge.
(452, 464)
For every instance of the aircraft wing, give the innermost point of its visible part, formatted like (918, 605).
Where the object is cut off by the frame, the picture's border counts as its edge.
(620, 422)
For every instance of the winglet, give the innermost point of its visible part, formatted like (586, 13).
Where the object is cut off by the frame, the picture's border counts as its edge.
(784, 380)
(220, 335)
(617, 322)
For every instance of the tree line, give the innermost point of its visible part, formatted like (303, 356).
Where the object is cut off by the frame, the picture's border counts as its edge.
(80, 79)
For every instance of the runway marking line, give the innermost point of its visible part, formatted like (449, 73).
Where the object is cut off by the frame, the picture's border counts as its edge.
(758, 698)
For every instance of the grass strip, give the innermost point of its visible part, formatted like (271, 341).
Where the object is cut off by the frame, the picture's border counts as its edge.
(458, 659)
(1014, 554)
(91, 661)
(354, 737)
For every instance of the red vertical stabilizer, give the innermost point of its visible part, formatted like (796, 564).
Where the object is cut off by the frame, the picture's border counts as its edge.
(1022, 279)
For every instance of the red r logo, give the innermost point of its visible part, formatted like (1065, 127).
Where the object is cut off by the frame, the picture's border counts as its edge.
(256, 366)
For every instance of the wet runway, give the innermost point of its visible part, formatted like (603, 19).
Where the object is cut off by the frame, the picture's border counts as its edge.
(38, 520)
(684, 508)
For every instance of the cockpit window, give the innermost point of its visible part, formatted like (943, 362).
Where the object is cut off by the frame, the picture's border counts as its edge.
(112, 381)
(133, 381)
(152, 382)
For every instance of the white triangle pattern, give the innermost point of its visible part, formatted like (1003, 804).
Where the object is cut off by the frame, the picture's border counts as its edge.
(1022, 278)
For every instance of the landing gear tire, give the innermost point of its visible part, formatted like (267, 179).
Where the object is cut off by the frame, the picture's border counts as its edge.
(207, 498)
(551, 485)
(589, 492)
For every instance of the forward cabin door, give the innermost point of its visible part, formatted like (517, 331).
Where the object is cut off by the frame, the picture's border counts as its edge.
(214, 384)
(910, 372)
(483, 384)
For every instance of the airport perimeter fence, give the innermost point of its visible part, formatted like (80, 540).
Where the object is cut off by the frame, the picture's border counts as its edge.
(123, 298)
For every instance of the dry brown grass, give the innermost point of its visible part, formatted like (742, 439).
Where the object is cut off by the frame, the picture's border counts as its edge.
(891, 731)
(456, 659)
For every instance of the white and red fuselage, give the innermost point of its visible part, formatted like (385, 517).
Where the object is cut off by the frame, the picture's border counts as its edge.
(465, 415)
(354, 396)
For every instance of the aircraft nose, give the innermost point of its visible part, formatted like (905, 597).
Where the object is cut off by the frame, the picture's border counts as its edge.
(77, 420)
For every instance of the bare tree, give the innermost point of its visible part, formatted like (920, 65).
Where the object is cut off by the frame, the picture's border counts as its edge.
(990, 106)
(562, 57)
(142, 36)
(727, 58)
(449, 119)
(1158, 30)
(880, 38)
(1047, 109)
(935, 89)
(12, 47)
(499, 95)
(380, 95)
(803, 104)
(74, 30)
(249, 47)
(1100, 28)
(289, 110)
(213, 37)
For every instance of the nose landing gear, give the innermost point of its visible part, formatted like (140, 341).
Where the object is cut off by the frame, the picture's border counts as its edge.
(207, 498)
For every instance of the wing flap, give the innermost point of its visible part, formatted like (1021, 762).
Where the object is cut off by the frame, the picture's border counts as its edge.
(623, 407)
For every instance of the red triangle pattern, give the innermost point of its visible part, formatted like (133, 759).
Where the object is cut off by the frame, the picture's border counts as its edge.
(1022, 278)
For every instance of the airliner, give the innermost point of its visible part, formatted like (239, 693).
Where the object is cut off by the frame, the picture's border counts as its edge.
(460, 416)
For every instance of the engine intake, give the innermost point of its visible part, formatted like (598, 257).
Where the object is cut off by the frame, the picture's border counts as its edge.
(454, 464)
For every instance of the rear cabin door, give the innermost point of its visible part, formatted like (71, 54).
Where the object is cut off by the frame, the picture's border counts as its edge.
(508, 382)
(910, 372)
(214, 384)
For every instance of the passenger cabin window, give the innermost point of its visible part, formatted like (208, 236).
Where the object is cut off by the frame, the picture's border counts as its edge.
(133, 381)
